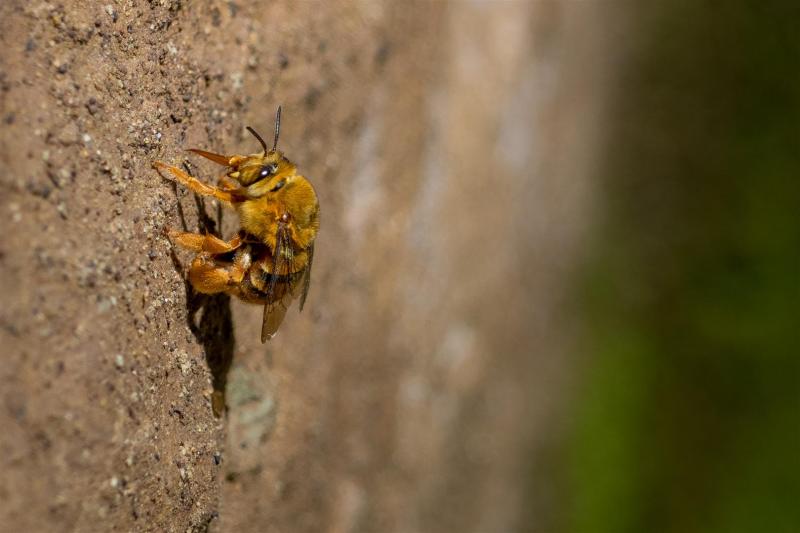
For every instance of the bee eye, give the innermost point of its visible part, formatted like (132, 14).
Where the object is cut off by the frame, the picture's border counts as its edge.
(278, 186)
(266, 170)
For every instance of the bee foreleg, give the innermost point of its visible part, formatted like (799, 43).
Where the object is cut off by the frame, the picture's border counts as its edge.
(193, 183)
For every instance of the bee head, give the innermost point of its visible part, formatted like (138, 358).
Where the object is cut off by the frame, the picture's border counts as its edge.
(260, 173)
(266, 172)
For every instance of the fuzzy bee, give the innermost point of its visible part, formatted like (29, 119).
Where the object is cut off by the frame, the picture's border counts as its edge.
(269, 261)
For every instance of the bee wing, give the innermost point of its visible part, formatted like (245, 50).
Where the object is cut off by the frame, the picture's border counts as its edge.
(306, 281)
(279, 293)
(273, 316)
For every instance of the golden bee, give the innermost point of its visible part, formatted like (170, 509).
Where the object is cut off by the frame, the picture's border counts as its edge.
(269, 261)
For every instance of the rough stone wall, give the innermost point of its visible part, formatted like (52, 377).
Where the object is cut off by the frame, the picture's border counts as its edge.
(449, 145)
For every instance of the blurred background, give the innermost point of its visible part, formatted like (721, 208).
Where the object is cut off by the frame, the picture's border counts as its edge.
(555, 289)
(688, 414)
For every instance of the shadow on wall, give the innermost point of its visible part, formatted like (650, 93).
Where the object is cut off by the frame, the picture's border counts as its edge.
(214, 328)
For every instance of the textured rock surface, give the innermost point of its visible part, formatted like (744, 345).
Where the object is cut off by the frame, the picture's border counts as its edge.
(449, 145)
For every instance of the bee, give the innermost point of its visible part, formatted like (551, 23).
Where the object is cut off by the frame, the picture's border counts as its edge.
(268, 262)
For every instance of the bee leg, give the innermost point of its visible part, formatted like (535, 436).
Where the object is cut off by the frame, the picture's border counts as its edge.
(207, 277)
(210, 276)
(193, 183)
(188, 241)
(203, 243)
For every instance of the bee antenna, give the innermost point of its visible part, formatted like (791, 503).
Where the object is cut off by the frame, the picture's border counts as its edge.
(277, 128)
(257, 136)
